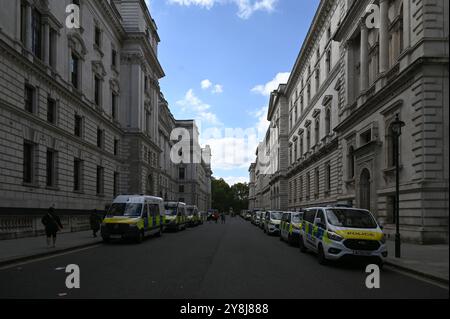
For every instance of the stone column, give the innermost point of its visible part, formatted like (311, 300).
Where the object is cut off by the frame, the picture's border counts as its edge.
(384, 36)
(406, 25)
(364, 69)
(46, 44)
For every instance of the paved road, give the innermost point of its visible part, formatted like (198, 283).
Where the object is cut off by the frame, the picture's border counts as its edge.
(235, 260)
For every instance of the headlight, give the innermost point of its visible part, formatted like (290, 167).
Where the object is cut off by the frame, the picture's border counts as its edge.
(335, 237)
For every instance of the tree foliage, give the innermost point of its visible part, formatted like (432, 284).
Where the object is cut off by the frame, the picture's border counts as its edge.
(225, 197)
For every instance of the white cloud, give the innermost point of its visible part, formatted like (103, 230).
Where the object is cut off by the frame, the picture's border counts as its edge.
(217, 89)
(262, 123)
(232, 180)
(246, 8)
(195, 107)
(269, 87)
(206, 84)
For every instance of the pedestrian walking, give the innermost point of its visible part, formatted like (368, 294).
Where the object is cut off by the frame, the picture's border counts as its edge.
(95, 221)
(52, 225)
(216, 217)
(222, 217)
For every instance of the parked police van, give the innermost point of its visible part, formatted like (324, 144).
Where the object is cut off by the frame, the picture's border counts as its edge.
(271, 221)
(290, 227)
(337, 232)
(193, 216)
(133, 216)
(175, 215)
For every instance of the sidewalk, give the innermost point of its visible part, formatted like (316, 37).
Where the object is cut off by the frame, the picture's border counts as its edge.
(16, 250)
(424, 260)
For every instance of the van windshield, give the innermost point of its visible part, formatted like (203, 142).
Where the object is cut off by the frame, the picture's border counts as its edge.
(276, 215)
(351, 218)
(125, 209)
(297, 218)
(190, 211)
(171, 210)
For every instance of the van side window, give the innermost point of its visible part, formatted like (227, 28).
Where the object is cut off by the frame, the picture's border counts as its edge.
(154, 210)
(321, 215)
(309, 215)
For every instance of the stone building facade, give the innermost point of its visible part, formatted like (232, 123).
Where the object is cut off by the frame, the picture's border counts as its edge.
(352, 77)
(81, 112)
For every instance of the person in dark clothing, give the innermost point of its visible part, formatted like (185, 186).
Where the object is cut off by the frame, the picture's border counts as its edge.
(95, 222)
(52, 225)
(222, 217)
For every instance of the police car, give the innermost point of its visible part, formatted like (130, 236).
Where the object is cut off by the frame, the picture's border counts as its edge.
(271, 222)
(192, 215)
(133, 216)
(337, 232)
(290, 227)
(175, 215)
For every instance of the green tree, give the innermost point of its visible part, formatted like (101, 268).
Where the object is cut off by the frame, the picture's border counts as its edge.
(225, 197)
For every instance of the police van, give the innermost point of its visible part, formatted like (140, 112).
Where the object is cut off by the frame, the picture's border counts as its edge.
(290, 227)
(175, 215)
(133, 217)
(271, 222)
(337, 232)
(192, 215)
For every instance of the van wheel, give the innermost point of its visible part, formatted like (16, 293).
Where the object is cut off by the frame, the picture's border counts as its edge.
(301, 244)
(160, 231)
(281, 237)
(289, 240)
(106, 240)
(321, 256)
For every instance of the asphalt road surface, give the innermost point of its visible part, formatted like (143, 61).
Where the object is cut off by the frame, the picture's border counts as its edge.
(235, 260)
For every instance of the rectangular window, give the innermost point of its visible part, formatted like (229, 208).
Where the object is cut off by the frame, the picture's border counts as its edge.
(114, 58)
(74, 70)
(181, 173)
(78, 126)
(116, 147)
(77, 175)
(97, 90)
(36, 34)
(28, 162)
(114, 106)
(100, 180)
(23, 22)
(98, 36)
(51, 111)
(100, 138)
(317, 182)
(366, 137)
(29, 98)
(181, 188)
(52, 48)
(51, 168)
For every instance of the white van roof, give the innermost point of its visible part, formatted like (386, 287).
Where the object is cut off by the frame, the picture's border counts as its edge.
(137, 199)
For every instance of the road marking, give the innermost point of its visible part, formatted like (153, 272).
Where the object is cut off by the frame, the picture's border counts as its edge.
(49, 257)
(420, 278)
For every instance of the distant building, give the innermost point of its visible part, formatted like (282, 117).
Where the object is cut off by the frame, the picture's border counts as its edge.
(81, 112)
(347, 86)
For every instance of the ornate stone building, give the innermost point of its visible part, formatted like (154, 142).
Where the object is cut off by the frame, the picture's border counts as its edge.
(353, 75)
(82, 118)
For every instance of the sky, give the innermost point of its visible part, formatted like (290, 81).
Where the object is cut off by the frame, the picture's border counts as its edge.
(222, 58)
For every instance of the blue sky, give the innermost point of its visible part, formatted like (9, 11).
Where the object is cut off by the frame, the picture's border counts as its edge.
(222, 58)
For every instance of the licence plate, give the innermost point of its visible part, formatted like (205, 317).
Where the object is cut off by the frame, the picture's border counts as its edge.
(115, 236)
(362, 253)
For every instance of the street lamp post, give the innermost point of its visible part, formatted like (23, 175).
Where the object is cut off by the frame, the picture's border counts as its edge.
(397, 131)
